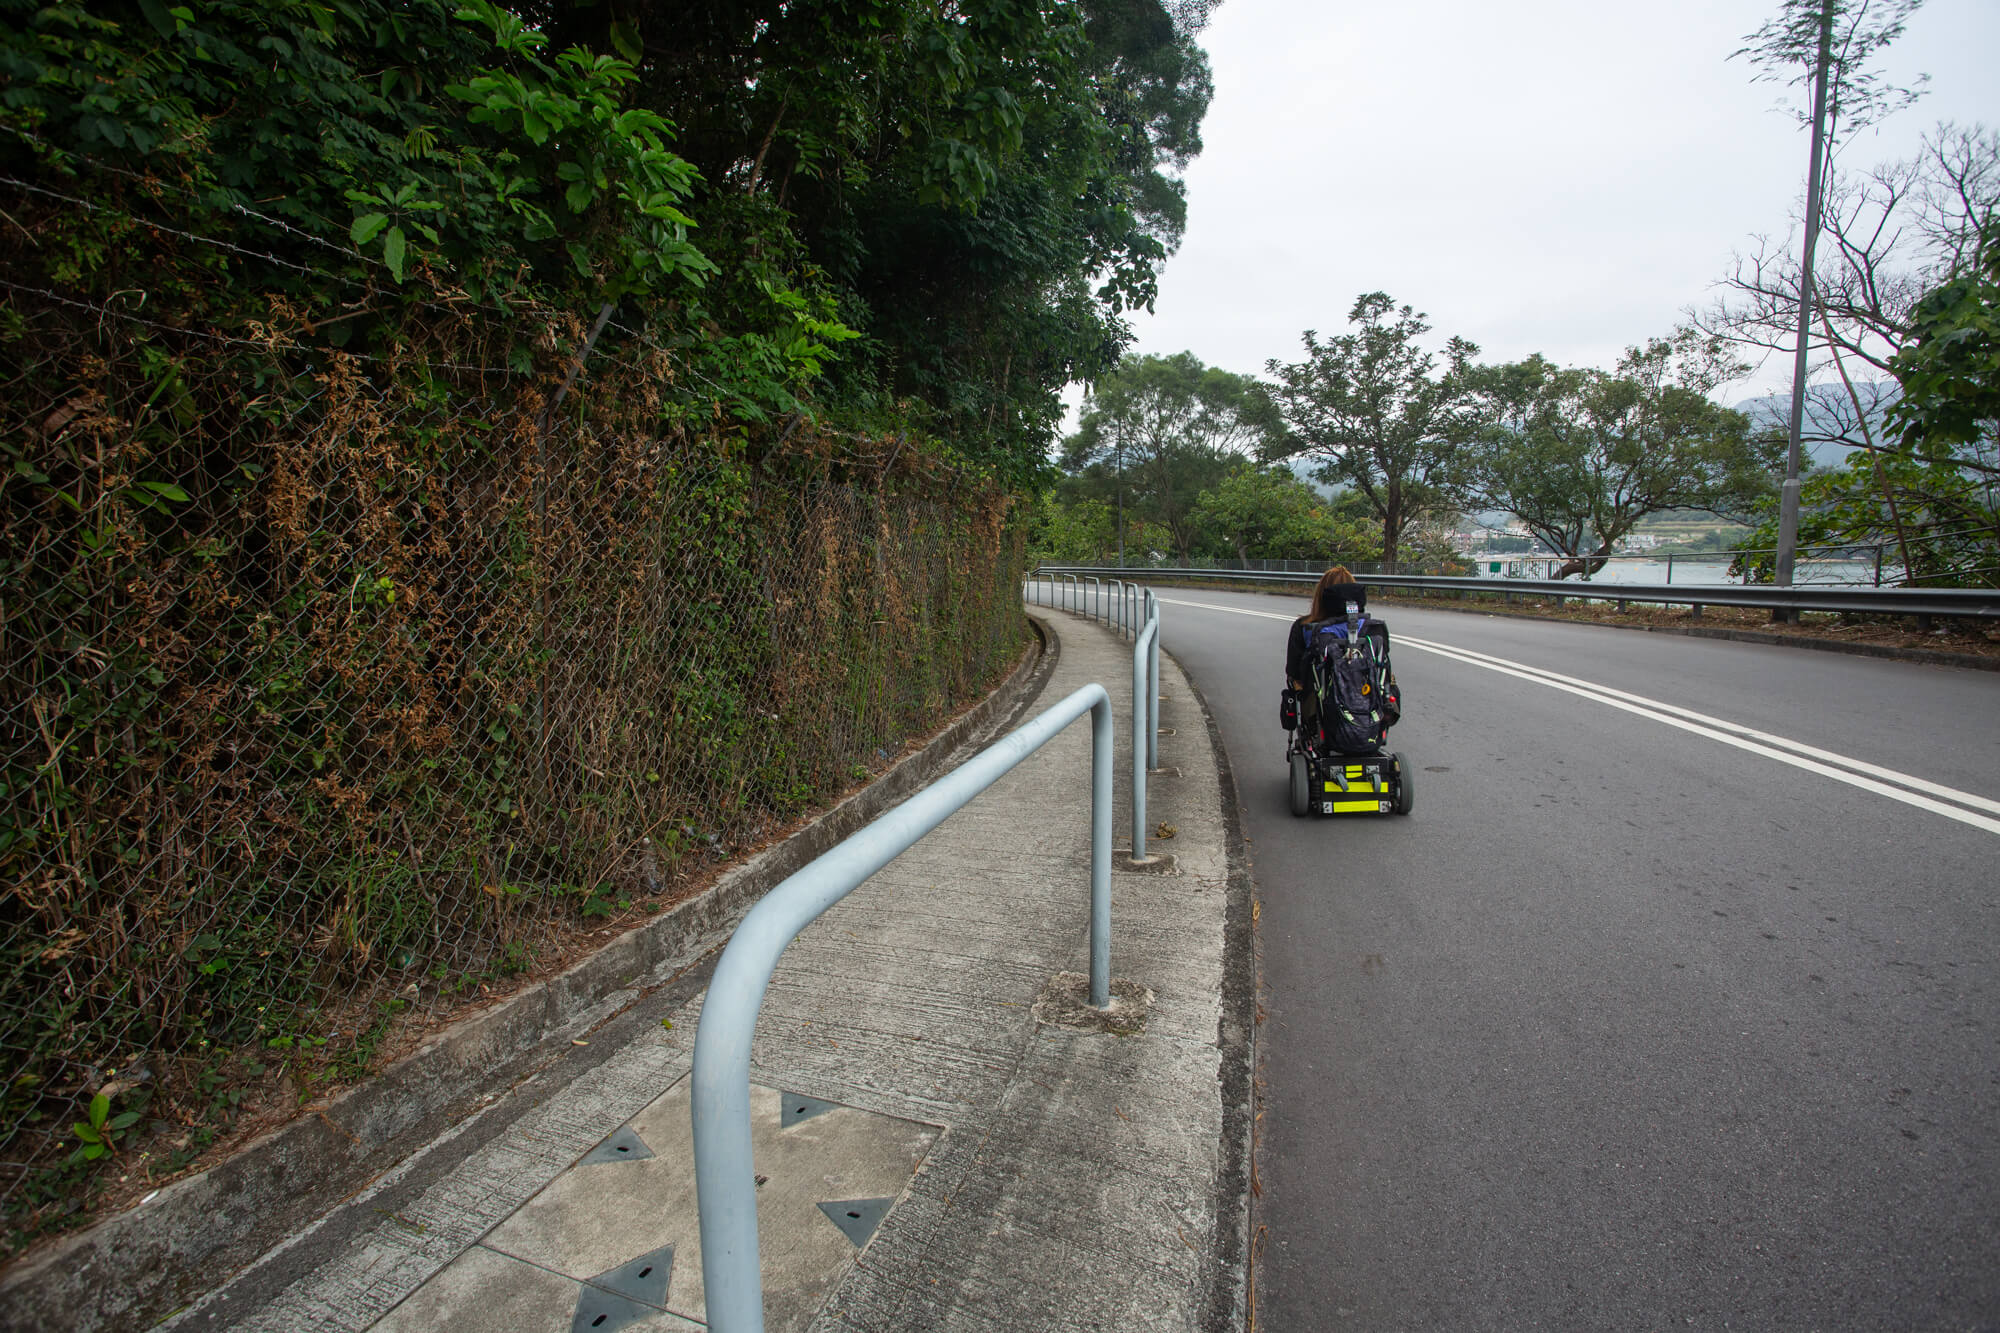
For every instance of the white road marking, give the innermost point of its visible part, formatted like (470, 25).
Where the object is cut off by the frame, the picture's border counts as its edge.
(1910, 790)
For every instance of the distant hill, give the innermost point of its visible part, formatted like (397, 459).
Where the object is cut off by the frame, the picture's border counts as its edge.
(1829, 417)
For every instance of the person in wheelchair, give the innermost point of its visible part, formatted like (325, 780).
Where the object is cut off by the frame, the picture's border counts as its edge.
(1340, 700)
(1331, 596)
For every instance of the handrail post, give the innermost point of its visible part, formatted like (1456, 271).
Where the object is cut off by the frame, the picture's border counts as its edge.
(1140, 712)
(1100, 850)
(1153, 686)
(719, 1085)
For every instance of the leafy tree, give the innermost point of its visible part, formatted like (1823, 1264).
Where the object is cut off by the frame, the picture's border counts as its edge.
(1788, 50)
(1379, 413)
(1934, 518)
(1950, 366)
(1076, 532)
(1922, 484)
(897, 214)
(1266, 513)
(983, 187)
(1161, 430)
(1580, 456)
(1897, 230)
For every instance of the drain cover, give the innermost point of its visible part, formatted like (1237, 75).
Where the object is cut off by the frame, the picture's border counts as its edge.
(606, 1312)
(643, 1279)
(794, 1108)
(622, 1146)
(857, 1217)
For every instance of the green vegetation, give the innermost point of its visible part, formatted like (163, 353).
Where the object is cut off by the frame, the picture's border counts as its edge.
(1156, 434)
(1376, 411)
(468, 467)
(1581, 456)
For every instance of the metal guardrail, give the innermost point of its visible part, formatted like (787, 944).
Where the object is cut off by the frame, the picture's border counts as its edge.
(1976, 603)
(1136, 611)
(725, 1182)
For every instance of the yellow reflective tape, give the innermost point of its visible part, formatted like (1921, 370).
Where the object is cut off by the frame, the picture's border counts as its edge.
(1356, 807)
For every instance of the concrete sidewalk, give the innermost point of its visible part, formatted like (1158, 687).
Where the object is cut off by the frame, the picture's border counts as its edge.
(938, 1146)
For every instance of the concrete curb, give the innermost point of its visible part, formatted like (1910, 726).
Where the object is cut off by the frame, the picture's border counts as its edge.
(133, 1269)
(1232, 1299)
(1926, 656)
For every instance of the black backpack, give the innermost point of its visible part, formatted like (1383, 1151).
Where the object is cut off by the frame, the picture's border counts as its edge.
(1347, 662)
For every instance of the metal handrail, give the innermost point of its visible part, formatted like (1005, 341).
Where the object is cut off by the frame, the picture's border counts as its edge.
(1153, 694)
(724, 1178)
(1120, 615)
(1145, 722)
(1981, 603)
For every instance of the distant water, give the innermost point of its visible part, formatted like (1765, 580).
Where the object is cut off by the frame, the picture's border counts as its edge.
(1685, 569)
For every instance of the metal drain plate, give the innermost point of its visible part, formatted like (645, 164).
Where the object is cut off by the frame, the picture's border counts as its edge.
(624, 1145)
(644, 1279)
(793, 1108)
(858, 1218)
(599, 1311)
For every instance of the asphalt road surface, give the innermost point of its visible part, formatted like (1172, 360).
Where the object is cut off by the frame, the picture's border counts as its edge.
(1643, 1019)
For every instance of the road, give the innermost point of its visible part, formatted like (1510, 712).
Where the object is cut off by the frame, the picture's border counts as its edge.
(1639, 1021)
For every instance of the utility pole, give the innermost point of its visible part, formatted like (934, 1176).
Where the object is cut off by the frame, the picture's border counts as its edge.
(1788, 498)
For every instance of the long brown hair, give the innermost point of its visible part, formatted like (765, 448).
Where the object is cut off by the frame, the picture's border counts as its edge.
(1329, 597)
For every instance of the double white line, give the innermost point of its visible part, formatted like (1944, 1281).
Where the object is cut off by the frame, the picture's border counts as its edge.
(1962, 806)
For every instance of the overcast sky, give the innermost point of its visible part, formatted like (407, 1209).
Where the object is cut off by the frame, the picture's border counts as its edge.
(1555, 176)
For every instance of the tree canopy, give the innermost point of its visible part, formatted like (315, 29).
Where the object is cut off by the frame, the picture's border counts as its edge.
(1581, 455)
(1379, 413)
(1949, 367)
(1160, 430)
(878, 210)
(1266, 513)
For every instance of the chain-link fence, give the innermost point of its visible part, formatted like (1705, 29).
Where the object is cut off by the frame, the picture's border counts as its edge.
(337, 686)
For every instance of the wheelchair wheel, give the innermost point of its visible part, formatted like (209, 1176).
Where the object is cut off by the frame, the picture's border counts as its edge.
(1301, 781)
(1406, 786)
